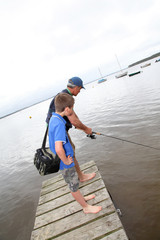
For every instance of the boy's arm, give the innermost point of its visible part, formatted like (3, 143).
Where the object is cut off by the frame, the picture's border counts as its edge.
(78, 124)
(61, 153)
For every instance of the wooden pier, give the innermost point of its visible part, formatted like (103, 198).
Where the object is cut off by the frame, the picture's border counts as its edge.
(60, 217)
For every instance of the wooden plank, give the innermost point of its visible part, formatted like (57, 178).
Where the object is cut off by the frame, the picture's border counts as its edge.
(118, 235)
(59, 216)
(94, 230)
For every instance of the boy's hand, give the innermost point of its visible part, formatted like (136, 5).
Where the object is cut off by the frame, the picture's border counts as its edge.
(61, 153)
(69, 160)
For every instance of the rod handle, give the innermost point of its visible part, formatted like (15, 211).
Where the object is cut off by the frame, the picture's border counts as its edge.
(97, 133)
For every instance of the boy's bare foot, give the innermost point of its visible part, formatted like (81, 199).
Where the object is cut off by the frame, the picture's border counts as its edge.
(87, 177)
(92, 209)
(89, 197)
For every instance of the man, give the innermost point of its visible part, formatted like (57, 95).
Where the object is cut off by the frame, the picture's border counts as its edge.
(74, 86)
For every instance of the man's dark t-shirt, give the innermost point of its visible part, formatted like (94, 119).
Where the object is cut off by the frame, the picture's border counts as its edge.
(52, 109)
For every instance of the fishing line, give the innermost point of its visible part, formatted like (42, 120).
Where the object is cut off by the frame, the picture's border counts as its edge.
(92, 136)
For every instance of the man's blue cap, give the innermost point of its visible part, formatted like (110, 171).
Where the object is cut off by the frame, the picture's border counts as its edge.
(76, 81)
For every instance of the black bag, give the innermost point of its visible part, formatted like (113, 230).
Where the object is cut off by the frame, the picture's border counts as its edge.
(46, 161)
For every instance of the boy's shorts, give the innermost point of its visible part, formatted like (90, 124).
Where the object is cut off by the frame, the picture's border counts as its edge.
(71, 177)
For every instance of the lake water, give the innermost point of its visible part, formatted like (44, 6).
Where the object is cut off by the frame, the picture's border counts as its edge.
(127, 108)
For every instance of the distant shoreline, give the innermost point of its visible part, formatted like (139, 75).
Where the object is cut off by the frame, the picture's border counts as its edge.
(145, 59)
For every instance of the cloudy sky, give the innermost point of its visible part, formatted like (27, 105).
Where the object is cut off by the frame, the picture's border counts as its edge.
(45, 42)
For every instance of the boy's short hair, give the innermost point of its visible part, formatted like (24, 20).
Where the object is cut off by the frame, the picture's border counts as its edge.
(63, 100)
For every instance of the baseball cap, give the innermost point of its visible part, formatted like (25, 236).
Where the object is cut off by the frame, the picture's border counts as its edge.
(76, 81)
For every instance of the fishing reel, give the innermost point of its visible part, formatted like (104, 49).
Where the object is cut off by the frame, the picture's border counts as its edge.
(92, 136)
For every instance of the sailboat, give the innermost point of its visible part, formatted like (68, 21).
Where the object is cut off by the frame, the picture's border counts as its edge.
(158, 60)
(122, 74)
(102, 79)
(146, 65)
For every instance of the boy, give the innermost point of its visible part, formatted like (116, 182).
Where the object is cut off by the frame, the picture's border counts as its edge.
(59, 143)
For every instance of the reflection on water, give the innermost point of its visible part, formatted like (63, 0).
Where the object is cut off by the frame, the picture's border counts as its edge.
(128, 108)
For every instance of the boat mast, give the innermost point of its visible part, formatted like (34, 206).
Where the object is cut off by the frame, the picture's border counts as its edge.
(100, 72)
(118, 63)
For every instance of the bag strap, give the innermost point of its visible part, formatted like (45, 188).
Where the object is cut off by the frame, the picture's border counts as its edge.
(45, 138)
(46, 133)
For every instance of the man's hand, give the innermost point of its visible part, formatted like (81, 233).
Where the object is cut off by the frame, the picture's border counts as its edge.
(88, 130)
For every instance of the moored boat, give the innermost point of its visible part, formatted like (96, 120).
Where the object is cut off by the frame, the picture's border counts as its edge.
(146, 65)
(132, 74)
(158, 60)
(102, 80)
(121, 74)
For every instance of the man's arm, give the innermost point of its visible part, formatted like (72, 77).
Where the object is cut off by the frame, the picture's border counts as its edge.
(61, 153)
(78, 124)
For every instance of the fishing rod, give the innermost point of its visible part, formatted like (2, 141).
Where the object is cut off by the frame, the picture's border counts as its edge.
(92, 136)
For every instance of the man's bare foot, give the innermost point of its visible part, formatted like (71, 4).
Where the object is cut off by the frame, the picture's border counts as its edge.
(92, 209)
(86, 177)
(89, 197)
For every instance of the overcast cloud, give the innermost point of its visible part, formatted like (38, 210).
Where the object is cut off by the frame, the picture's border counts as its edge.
(44, 43)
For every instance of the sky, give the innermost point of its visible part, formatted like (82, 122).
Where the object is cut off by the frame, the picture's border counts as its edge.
(43, 43)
